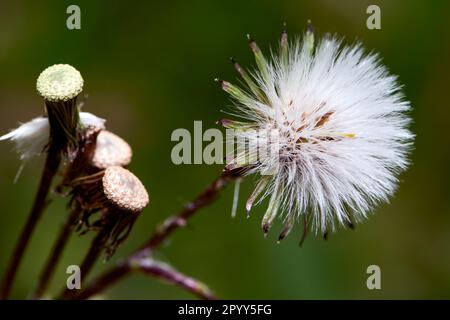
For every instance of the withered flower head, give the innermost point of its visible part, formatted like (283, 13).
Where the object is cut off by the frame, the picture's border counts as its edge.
(118, 195)
(124, 190)
(97, 150)
(111, 150)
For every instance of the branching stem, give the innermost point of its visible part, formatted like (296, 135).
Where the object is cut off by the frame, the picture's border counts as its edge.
(141, 260)
(55, 255)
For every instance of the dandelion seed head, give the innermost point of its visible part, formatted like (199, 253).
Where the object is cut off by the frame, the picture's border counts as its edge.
(335, 124)
(30, 138)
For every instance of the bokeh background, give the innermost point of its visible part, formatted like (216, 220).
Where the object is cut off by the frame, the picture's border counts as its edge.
(149, 69)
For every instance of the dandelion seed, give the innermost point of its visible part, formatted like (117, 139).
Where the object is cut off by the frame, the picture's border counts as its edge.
(337, 123)
(31, 138)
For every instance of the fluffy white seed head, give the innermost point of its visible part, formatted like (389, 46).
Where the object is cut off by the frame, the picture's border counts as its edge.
(334, 121)
(31, 137)
(60, 82)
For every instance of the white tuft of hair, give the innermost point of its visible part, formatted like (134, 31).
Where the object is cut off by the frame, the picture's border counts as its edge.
(337, 124)
(30, 138)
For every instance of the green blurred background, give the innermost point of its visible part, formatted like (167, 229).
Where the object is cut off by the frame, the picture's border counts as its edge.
(149, 69)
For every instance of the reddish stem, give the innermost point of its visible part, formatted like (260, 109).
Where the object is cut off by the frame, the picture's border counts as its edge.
(88, 263)
(50, 169)
(162, 232)
(55, 255)
(153, 268)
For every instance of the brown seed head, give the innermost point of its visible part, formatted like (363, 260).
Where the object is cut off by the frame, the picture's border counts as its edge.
(111, 150)
(124, 189)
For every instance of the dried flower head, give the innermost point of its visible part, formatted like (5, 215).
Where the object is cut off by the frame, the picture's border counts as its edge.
(124, 189)
(111, 150)
(59, 82)
(118, 195)
(335, 124)
(59, 85)
(97, 150)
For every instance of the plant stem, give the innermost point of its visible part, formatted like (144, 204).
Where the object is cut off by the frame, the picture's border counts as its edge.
(162, 232)
(52, 162)
(203, 199)
(55, 254)
(152, 268)
(166, 272)
(106, 279)
(88, 262)
(86, 147)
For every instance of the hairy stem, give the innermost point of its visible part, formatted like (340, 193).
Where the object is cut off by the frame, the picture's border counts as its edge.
(55, 255)
(162, 232)
(50, 168)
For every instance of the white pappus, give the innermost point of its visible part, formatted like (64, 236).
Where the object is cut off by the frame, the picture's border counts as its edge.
(337, 130)
(31, 138)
